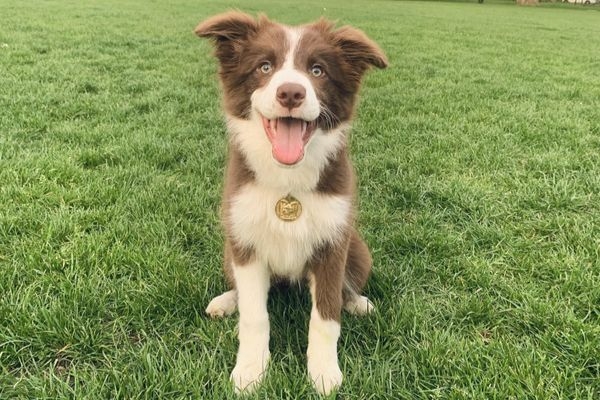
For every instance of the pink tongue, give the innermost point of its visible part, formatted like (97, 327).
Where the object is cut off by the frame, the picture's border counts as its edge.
(288, 146)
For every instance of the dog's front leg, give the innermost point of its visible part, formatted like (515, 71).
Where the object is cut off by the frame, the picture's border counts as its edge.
(252, 283)
(326, 281)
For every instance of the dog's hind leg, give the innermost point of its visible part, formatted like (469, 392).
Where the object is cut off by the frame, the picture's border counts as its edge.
(223, 305)
(358, 305)
(358, 269)
(226, 303)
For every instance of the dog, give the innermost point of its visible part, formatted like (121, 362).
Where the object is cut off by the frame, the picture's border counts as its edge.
(288, 204)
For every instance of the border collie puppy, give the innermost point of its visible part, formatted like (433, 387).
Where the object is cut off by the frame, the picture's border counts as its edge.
(288, 202)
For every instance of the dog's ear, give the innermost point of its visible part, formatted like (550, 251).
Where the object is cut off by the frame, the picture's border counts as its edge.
(232, 25)
(358, 50)
(228, 31)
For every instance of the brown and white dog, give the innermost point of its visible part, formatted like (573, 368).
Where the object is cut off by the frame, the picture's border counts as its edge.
(288, 202)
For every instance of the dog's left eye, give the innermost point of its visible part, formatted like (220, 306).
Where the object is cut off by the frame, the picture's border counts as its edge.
(316, 70)
(265, 67)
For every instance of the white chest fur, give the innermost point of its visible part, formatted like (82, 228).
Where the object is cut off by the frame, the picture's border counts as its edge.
(286, 245)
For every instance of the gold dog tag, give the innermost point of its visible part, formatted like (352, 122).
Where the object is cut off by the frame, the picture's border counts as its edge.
(288, 208)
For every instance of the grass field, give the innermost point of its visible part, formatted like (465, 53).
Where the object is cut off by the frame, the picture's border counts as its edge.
(478, 155)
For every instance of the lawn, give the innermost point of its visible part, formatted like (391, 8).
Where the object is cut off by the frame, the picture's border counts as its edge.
(478, 156)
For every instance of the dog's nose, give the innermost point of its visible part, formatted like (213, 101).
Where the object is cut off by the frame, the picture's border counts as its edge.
(291, 95)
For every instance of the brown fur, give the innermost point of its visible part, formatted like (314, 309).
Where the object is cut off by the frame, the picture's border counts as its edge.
(358, 265)
(345, 54)
(238, 173)
(241, 43)
(337, 177)
(341, 271)
(327, 266)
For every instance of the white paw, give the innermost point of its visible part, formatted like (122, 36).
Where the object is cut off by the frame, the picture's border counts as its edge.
(247, 377)
(359, 305)
(325, 377)
(222, 305)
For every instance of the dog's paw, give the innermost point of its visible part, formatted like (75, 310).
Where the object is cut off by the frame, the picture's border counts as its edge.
(325, 377)
(222, 305)
(359, 305)
(247, 377)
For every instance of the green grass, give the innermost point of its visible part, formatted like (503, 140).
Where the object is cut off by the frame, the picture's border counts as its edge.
(478, 155)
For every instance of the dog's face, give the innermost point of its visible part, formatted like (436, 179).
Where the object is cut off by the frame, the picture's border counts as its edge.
(295, 82)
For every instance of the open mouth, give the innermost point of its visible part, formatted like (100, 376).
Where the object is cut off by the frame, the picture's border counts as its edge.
(288, 136)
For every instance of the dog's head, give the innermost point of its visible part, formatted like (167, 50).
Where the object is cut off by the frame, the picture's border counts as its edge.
(296, 82)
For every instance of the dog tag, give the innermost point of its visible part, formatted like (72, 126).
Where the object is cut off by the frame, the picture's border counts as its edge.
(288, 208)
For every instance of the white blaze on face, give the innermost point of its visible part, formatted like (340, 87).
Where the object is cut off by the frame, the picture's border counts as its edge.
(288, 130)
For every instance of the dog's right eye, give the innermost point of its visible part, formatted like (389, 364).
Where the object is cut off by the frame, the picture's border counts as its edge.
(265, 67)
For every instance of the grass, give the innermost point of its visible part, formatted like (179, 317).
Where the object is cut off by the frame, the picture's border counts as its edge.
(478, 155)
